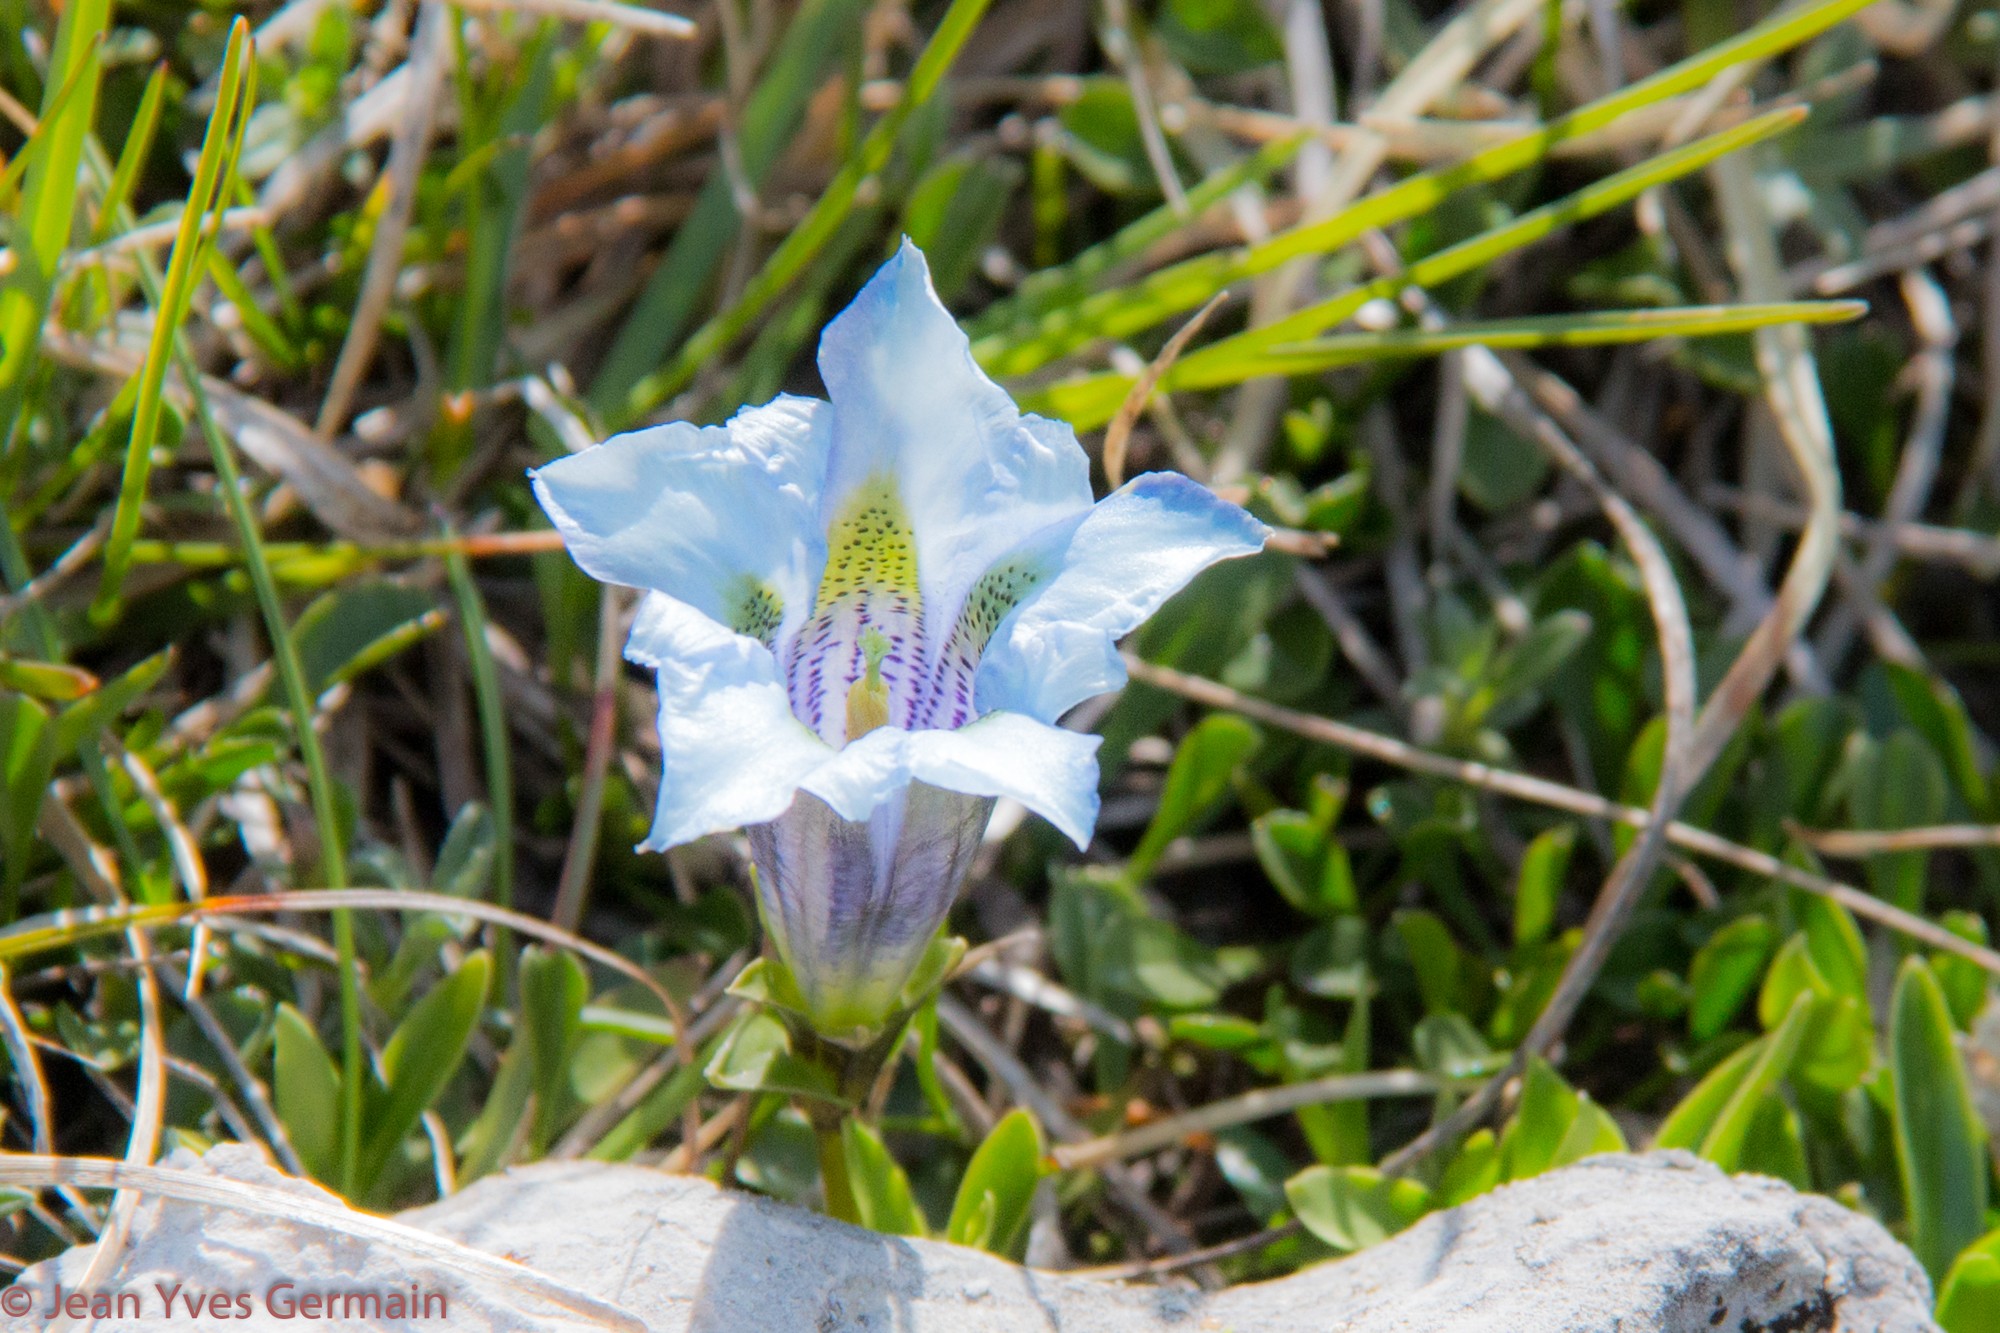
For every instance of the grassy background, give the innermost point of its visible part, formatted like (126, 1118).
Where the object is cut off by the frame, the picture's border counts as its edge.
(1621, 378)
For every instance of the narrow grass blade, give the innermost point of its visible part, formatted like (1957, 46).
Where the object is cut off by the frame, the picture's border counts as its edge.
(1127, 310)
(1592, 330)
(804, 242)
(213, 179)
(264, 331)
(498, 193)
(818, 42)
(38, 146)
(492, 710)
(1063, 284)
(41, 229)
(1089, 401)
(132, 157)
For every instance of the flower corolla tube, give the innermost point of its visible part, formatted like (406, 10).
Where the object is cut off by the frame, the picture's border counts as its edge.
(866, 616)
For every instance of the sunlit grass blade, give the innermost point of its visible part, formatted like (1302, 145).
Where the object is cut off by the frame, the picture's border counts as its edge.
(1589, 330)
(492, 710)
(1090, 401)
(41, 228)
(39, 143)
(1072, 281)
(264, 331)
(1123, 311)
(804, 242)
(238, 88)
(817, 42)
(57, 931)
(132, 156)
(213, 181)
(498, 193)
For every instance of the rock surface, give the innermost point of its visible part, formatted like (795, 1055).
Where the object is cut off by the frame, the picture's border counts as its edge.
(1653, 1244)
(258, 1264)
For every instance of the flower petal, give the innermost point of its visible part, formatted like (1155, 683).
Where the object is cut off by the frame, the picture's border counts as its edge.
(1137, 548)
(723, 518)
(852, 904)
(911, 406)
(731, 752)
(1051, 771)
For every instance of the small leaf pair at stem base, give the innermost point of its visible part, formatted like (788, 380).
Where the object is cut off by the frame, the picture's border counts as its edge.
(775, 1048)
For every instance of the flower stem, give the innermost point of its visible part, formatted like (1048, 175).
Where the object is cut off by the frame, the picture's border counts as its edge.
(833, 1166)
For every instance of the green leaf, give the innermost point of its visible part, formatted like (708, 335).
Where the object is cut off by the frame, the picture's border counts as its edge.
(553, 991)
(359, 625)
(1897, 783)
(1216, 1032)
(939, 960)
(1186, 285)
(1725, 972)
(1197, 780)
(1775, 1144)
(1791, 973)
(1474, 1170)
(1963, 980)
(991, 1210)
(975, 1229)
(1218, 36)
(1539, 653)
(1331, 960)
(82, 719)
(1935, 710)
(1969, 1301)
(646, 1121)
(756, 1056)
(1591, 1132)
(1839, 1047)
(925, 1024)
(305, 1092)
(1940, 1141)
(1066, 284)
(1449, 1046)
(1691, 1120)
(45, 680)
(495, 1132)
(881, 1189)
(1538, 887)
(953, 212)
(1436, 958)
(1534, 1138)
(48, 210)
(805, 242)
(465, 861)
(214, 183)
(423, 1053)
(1834, 940)
(1803, 754)
(1353, 1207)
(27, 764)
(1307, 868)
(1776, 1052)
(1255, 1167)
(782, 1159)
(817, 42)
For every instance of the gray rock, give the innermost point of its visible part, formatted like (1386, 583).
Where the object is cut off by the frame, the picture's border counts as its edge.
(1662, 1243)
(283, 1253)
(1652, 1244)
